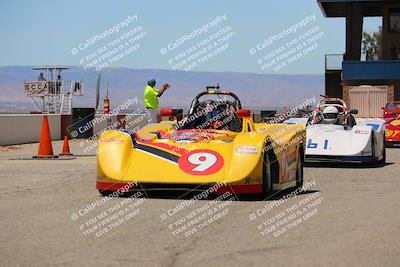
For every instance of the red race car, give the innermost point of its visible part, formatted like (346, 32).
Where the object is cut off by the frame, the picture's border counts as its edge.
(391, 114)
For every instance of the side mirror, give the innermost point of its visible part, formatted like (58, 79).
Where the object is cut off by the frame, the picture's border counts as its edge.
(243, 113)
(382, 108)
(353, 111)
(166, 113)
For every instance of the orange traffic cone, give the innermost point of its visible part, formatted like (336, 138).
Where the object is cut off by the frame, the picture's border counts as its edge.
(65, 150)
(45, 148)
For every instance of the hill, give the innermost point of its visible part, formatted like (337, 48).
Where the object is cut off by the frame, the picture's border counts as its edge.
(257, 91)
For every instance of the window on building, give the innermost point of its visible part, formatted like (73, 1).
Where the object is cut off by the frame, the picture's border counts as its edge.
(371, 43)
(394, 20)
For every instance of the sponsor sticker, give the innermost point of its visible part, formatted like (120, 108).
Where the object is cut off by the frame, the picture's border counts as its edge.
(361, 132)
(246, 150)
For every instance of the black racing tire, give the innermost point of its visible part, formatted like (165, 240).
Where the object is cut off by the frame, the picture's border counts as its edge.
(373, 156)
(300, 168)
(383, 160)
(388, 144)
(105, 193)
(267, 174)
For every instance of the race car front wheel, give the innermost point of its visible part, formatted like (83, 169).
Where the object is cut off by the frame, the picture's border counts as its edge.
(373, 154)
(383, 160)
(267, 174)
(300, 170)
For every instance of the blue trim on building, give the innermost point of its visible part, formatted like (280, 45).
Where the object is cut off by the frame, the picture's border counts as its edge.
(371, 70)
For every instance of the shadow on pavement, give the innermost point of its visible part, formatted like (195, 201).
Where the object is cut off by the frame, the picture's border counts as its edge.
(344, 165)
(188, 195)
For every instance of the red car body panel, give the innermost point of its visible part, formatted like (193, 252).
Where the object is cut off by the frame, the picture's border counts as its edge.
(391, 115)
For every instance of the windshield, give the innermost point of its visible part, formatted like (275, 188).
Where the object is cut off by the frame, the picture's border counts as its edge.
(394, 105)
(217, 97)
(213, 111)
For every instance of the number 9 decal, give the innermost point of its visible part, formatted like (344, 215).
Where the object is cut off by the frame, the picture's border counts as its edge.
(201, 162)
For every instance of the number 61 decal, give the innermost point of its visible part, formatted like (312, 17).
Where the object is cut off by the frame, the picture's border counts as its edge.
(201, 162)
(310, 144)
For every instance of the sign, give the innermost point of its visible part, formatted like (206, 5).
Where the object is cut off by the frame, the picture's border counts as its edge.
(38, 88)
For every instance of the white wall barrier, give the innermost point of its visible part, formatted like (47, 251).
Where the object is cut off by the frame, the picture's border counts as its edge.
(26, 128)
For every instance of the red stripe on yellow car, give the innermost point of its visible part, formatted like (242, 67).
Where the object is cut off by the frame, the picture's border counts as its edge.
(177, 151)
(241, 189)
(112, 186)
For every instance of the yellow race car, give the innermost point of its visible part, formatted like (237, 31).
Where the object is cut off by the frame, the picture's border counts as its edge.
(216, 145)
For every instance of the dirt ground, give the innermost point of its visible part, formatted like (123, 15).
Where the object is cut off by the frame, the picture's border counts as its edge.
(51, 214)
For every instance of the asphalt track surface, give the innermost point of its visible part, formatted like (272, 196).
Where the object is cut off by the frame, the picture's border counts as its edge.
(51, 214)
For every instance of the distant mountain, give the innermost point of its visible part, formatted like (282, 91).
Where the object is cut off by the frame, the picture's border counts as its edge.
(257, 91)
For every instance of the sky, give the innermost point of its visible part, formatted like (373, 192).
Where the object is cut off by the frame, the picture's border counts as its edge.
(45, 32)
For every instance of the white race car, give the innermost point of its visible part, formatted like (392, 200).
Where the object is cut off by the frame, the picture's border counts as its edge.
(333, 134)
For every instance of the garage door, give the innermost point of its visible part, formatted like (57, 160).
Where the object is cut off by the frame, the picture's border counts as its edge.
(369, 100)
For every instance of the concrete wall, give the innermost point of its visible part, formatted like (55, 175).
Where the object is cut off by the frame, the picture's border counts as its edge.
(26, 128)
(130, 122)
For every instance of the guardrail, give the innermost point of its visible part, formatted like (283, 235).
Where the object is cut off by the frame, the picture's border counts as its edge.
(333, 61)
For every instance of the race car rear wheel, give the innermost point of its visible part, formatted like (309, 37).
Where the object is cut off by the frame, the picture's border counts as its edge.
(373, 156)
(267, 173)
(300, 169)
(383, 160)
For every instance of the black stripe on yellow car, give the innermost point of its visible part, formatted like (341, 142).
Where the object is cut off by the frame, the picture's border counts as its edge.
(157, 152)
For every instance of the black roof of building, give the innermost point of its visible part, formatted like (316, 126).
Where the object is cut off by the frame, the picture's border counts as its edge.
(337, 8)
